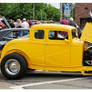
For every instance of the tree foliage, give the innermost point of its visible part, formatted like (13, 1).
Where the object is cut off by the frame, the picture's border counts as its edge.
(25, 10)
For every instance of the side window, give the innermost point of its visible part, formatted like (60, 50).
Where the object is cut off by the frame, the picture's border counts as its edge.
(13, 34)
(39, 34)
(9, 35)
(25, 32)
(58, 35)
(4, 32)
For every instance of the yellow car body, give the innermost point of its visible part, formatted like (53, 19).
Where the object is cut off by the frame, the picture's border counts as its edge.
(47, 54)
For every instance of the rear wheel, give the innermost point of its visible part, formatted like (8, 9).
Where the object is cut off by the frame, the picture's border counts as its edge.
(13, 66)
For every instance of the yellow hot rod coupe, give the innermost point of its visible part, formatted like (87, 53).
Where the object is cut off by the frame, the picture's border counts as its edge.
(49, 47)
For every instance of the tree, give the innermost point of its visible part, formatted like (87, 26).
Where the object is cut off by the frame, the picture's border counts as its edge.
(4, 9)
(52, 13)
(25, 10)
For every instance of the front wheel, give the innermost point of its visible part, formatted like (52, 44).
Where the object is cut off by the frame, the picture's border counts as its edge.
(13, 66)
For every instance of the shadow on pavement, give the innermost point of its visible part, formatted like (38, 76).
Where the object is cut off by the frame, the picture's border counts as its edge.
(49, 75)
(54, 75)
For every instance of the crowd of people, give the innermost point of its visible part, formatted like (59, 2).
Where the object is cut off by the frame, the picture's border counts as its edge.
(19, 23)
(27, 23)
(70, 22)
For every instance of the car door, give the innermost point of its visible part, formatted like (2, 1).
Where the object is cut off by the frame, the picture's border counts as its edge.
(57, 48)
(37, 46)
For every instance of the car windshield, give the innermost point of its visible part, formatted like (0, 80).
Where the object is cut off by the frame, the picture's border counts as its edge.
(74, 33)
(17, 34)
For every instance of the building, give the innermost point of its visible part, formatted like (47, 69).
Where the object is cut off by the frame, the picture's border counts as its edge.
(82, 13)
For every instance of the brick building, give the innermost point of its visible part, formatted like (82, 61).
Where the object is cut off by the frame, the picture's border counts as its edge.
(82, 13)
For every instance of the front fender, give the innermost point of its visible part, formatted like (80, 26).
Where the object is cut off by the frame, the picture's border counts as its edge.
(7, 49)
(12, 49)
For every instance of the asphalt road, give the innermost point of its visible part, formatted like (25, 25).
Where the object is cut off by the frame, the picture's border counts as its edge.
(51, 80)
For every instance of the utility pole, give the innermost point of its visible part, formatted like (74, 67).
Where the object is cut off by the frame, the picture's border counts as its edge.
(41, 14)
(60, 11)
(72, 10)
(33, 11)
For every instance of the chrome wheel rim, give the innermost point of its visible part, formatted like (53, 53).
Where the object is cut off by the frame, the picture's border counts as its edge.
(12, 66)
(89, 62)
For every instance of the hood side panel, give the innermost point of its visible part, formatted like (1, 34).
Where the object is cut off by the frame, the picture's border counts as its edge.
(87, 33)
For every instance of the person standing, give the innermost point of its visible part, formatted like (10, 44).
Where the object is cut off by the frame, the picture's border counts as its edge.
(11, 23)
(18, 24)
(38, 22)
(64, 21)
(51, 22)
(25, 24)
(72, 23)
(45, 22)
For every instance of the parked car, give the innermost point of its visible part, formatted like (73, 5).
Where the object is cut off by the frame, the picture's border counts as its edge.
(10, 34)
(32, 22)
(2, 26)
(49, 47)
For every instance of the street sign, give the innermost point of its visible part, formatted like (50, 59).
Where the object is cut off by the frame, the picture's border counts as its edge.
(67, 13)
(66, 7)
(67, 10)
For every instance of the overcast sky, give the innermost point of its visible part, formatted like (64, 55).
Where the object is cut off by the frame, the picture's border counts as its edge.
(57, 5)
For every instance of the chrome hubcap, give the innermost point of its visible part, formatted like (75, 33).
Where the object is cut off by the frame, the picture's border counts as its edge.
(89, 62)
(12, 66)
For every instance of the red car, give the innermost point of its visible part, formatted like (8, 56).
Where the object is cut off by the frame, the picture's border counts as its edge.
(32, 22)
(2, 25)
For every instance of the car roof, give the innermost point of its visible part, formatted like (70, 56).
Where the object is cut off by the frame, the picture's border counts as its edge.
(68, 27)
